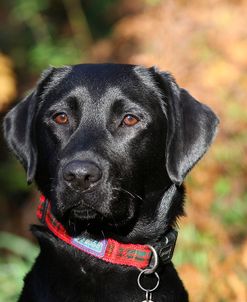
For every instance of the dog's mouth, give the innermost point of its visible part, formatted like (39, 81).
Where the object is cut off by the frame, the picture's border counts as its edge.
(77, 220)
(98, 213)
(81, 219)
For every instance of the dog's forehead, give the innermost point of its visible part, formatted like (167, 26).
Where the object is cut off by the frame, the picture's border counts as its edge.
(99, 81)
(101, 72)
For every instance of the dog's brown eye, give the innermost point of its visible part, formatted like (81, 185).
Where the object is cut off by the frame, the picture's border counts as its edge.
(130, 120)
(61, 118)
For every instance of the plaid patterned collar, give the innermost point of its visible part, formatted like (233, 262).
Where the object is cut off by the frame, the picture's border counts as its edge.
(109, 250)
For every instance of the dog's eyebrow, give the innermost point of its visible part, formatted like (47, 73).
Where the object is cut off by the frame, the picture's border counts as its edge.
(119, 97)
(113, 92)
(78, 93)
(73, 98)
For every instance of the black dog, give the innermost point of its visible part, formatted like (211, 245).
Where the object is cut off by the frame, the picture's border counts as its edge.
(109, 147)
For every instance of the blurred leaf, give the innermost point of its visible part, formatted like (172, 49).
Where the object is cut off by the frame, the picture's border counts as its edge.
(152, 2)
(235, 111)
(222, 186)
(12, 176)
(19, 246)
(193, 247)
(23, 10)
(14, 264)
(232, 214)
(56, 54)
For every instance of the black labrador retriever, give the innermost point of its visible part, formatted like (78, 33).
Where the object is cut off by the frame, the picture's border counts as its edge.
(109, 146)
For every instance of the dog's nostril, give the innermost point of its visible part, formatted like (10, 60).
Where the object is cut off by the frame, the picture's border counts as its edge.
(82, 174)
(68, 176)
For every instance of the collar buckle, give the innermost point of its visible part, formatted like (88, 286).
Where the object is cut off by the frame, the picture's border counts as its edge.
(166, 247)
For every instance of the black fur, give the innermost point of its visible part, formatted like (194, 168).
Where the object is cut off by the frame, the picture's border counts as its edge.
(138, 194)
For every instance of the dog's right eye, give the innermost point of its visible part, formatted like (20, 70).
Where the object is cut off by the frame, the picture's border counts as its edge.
(61, 118)
(130, 120)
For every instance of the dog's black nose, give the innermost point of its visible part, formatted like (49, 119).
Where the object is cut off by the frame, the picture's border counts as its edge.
(82, 174)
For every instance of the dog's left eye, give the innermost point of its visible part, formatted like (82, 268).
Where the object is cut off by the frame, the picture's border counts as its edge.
(61, 118)
(130, 120)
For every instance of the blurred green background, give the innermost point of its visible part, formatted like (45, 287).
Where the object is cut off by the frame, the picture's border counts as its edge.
(204, 44)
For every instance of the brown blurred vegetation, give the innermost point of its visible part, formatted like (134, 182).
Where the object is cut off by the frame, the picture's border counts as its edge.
(204, 45)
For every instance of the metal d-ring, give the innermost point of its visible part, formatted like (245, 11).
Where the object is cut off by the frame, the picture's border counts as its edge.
(149, 271)
(152, 269)
(149, 290)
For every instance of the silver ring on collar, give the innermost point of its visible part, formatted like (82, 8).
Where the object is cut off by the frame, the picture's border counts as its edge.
(147, 289)
(152, 269)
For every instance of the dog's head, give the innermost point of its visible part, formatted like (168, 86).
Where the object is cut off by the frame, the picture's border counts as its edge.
(105, 141)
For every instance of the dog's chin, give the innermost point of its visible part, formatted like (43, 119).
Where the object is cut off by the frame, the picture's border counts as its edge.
(79, 221)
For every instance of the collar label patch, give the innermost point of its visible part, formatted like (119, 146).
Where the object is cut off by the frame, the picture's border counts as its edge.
(94, 247)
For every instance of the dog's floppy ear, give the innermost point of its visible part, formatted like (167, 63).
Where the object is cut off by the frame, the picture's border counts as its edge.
(19, 130)
(191, 128)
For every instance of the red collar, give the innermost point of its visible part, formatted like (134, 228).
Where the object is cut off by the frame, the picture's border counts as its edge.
(109, 250)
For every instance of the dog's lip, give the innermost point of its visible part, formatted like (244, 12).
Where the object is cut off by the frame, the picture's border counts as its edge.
(87, 218)
(90, 213)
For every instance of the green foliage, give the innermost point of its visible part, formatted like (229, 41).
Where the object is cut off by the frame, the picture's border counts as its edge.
(222, 187)
(24, 10)
(231, 210)
(193, 247)
(232, 213)
(48, 32)
(60, 53)
(235, 112)
(98, 13)
(16, 258)
(49, 46)
(8, 182)
(152, 2)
